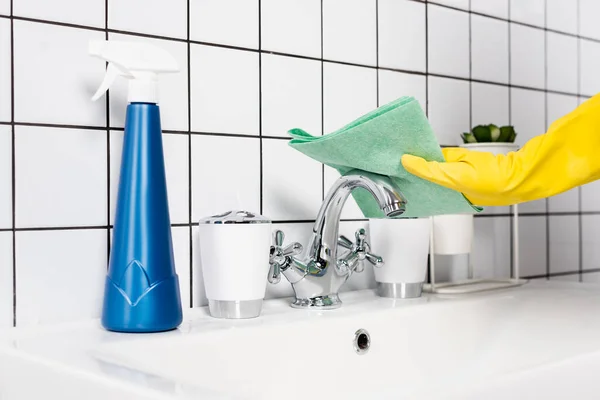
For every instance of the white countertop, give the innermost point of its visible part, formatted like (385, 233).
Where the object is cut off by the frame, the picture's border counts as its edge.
(82, 360)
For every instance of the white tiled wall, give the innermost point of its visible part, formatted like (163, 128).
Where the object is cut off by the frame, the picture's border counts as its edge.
(250, 70)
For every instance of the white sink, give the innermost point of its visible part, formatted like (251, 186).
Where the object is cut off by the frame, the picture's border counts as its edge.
(540, 340)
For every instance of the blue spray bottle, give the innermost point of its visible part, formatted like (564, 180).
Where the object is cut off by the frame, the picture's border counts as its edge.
(142, 288)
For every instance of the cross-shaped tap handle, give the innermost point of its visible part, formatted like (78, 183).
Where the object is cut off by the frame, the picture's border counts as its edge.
(280, 257)
(359, 251)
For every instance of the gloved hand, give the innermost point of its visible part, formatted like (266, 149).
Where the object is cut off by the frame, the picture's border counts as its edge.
(566, 156)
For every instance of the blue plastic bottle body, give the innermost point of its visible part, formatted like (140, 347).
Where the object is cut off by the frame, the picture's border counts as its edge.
(142, 287)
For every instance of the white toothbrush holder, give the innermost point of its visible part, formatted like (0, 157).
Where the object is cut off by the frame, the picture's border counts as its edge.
(404, 245)
(234, 252)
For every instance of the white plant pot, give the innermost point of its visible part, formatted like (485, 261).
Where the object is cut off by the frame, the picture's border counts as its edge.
(404, 246)
(495, 148)
(453, 234)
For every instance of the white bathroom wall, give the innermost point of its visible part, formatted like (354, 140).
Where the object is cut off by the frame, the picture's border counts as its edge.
(250, 70)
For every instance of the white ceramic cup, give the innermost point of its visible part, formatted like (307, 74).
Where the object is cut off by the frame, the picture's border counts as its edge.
(235, 265)
(453, 234)
(404, 246)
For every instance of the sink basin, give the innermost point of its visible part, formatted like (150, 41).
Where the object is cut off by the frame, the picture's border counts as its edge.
(497, 345)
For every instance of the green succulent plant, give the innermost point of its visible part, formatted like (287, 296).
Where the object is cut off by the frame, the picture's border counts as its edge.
(490, 134)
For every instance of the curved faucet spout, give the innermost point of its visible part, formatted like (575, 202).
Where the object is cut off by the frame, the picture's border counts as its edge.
(326, 229)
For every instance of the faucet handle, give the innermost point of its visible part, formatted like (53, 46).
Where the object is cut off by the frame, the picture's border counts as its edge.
(280, 258)
(359, 252)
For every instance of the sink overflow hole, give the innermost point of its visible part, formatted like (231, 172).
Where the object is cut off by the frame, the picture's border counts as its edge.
(362, 341)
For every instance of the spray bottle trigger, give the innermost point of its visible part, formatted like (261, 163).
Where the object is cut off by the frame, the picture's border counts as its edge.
(112, 71)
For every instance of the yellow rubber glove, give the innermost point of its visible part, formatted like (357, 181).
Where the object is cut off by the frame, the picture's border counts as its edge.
(566, 156)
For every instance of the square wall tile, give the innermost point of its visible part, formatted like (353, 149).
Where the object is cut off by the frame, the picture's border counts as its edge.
(348, 93)
(351, 209)
(290, 26)
(5, 7)
(181, 253)
(448, 41)
(60, 177)
(5, 71)
(489, 41)
(5, 176)
(89, 13)
(69, 77)
(491, 247)
(294, 232)
(365, 279)
(590, 196)
(60, 275)
(158, 17)
(564, 243)
(6, 280)
(560, 105)
(225, 90)
(173, 89)
(291, 95)
(528, 114)
(561, 16)
(464, 4)
(527, 56)
(231, 22)
(532, 246)
(590, 241)
(561, 62)
(225, 175)
(448, 109)
(292, 183)
(349, 31)
(496, 8)
(564, 202)
(489, 104)
(402, 35)
(590, 65)
(175, 150)
(588, 18)
(528, 11)
(393, 85)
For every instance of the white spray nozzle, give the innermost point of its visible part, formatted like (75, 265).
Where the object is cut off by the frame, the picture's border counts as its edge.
(139, 62)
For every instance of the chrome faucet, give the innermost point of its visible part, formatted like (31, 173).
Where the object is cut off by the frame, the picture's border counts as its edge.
(318, 276)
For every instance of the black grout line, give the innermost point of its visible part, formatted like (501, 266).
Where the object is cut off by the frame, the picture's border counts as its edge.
(119, 31)
(377, 50)
(185, 224)
(512, 209)
(190, 171)
(470, 69)
(63, 228)
(260, 111)
(547, 201)
(13, 162)
(108, 169)
(579, 189)
(566, 273)
(323, 104)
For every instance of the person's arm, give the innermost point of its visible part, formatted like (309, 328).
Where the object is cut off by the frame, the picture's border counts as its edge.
(568, 155)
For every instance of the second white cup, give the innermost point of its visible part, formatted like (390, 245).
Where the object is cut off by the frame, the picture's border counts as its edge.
(404, 246)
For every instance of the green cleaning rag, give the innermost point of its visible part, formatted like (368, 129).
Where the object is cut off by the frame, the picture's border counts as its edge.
(375, 143)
